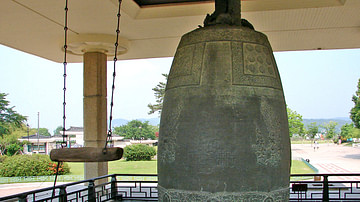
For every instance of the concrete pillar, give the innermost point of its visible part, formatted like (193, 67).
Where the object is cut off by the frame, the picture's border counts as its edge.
(95, 111)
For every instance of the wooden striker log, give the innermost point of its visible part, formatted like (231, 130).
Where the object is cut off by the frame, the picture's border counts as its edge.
(86, 154)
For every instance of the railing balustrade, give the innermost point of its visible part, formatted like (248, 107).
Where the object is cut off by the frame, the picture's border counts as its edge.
(303, 187)
(325, 187)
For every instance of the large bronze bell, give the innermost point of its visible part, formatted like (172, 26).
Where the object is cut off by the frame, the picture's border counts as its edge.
(224, 130)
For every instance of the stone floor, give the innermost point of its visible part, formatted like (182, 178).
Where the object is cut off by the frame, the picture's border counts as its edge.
(330, 158)
(10, 189)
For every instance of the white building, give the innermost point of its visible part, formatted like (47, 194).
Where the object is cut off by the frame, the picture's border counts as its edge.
(75, 138)
(40, 144)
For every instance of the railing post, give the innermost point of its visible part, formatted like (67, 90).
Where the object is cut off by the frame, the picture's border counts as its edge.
(23, 198)
(62, 194)
(113, 187)
(91, 191)
(325, 189)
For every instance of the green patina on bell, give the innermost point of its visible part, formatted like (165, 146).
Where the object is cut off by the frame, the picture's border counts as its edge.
(224, 131)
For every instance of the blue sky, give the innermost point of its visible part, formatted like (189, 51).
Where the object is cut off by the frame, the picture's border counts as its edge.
(317, 84)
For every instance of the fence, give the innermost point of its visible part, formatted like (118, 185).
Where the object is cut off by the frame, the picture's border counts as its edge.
(325, 187)
(322, 187)
(25, 179)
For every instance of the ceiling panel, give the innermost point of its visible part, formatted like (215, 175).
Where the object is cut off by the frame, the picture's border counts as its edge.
(36, 26)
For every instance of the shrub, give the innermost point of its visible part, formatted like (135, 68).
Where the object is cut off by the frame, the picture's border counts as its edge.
(30, 165)
(13, 149)
(139, 152)
(2, 158)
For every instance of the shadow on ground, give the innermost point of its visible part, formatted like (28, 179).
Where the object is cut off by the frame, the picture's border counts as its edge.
(352, 156)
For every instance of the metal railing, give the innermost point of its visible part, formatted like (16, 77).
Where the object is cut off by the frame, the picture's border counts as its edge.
(303, 187)
(104, 188)
(325, 187)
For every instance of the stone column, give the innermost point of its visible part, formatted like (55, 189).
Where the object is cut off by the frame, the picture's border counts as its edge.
(95, 111)
(95, 48)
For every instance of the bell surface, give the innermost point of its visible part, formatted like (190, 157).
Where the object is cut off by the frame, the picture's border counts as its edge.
(224, 130)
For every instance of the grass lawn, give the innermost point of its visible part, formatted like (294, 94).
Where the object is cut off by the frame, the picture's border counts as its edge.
(150, 167)
(299, 167)
(133, 167)
(126, 167)
(348, 144)
(121, 167)
(76, 168)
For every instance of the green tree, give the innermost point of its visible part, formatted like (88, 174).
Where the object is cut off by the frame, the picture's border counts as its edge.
(159, 93)
(355, 111)
(312, 129)
(346, 130)
(296, 126)
(330, 129)
(9, 144)
(349, 131)
(136, 130)
(13, 149)
(355, 133)
(42, 131)
(58, 130)
(155, 130)
(8, 117)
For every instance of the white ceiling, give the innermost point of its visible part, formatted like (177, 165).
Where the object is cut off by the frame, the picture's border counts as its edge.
(36, 26)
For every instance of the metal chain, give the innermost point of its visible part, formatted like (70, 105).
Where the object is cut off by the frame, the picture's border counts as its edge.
(109, 133)
(64, 143)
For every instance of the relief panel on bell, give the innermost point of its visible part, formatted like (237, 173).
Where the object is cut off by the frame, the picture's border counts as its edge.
(186, 67)
(254, 65)
(258, 60)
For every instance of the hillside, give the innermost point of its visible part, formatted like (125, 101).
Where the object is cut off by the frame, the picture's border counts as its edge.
(120, 122)
(156, 121)
(340, 120)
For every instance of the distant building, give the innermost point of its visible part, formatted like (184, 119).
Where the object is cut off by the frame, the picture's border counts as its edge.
(39, 144)
(75, 138)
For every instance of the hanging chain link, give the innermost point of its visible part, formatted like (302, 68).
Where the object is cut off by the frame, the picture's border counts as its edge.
(64, 136)
(109, 133)
(64, 142)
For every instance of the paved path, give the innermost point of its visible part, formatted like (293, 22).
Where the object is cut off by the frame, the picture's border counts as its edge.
(329, 158)
(15, 188)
